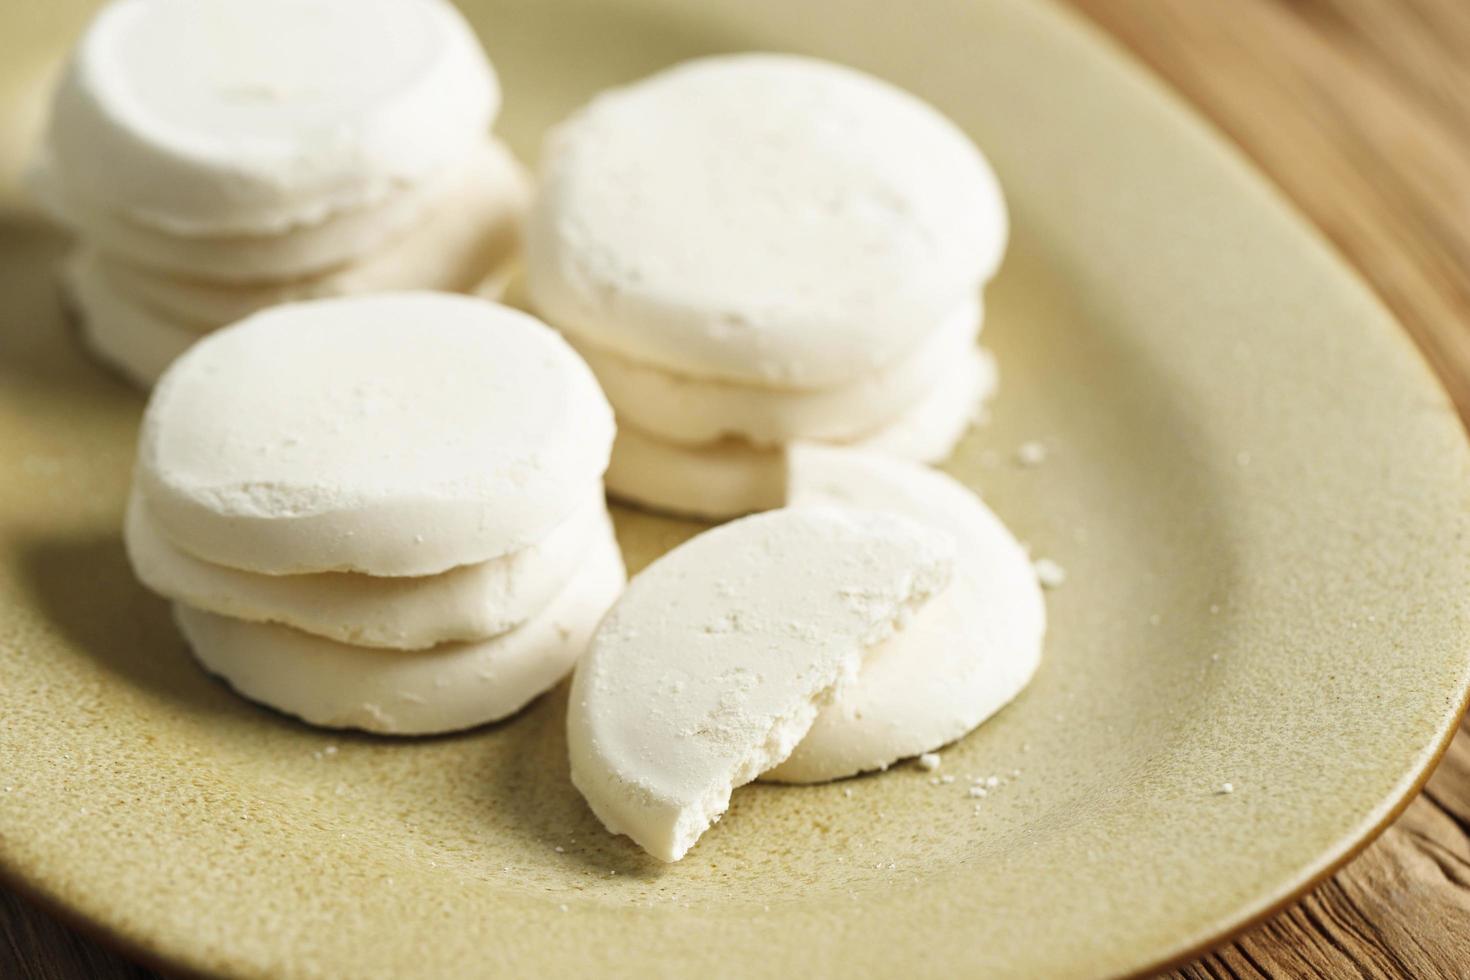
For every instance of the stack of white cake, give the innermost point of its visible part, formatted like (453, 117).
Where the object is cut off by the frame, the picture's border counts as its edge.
(381, 512)
(760, 249)
(215, 159)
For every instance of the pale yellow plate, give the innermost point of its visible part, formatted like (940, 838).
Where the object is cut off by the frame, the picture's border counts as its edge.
(1259, 494)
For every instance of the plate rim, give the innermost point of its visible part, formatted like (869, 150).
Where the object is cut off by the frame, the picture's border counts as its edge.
(1127, 62)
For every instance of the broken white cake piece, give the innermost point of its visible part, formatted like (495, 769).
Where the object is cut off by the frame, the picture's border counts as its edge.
(757, 249)
(716, 660)
(393, 434)
(958, 660)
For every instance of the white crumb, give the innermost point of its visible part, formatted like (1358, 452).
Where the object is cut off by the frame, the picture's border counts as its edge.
(1031, 453)
(1225, 789)
(946, 779)
(978, 791)
(1049, 573)
(929, 761)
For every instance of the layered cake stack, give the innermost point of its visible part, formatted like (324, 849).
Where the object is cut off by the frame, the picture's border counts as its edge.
(215, 159)
(383, 512)
(759, 249)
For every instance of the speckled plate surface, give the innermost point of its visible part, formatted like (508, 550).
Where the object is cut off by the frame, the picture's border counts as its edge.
(1258, 492)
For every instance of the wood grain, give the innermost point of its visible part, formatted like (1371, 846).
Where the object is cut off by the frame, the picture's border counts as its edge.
(33, 946)
(1360, 111)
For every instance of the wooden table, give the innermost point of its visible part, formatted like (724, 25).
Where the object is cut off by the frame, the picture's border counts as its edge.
(1360, 110)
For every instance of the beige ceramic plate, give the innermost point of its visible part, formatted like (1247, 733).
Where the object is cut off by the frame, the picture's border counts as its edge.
(1258, 493)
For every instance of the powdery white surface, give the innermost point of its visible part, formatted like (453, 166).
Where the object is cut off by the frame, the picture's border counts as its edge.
(420, 692)
(394, 434)
(958, 660)
(448, 241)
(254, 116)
(693, 411)
(713, 664)
(760, 218)
(733, 477)
(470, 602)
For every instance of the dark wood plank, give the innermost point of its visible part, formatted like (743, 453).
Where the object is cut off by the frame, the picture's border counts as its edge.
(34, 946)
